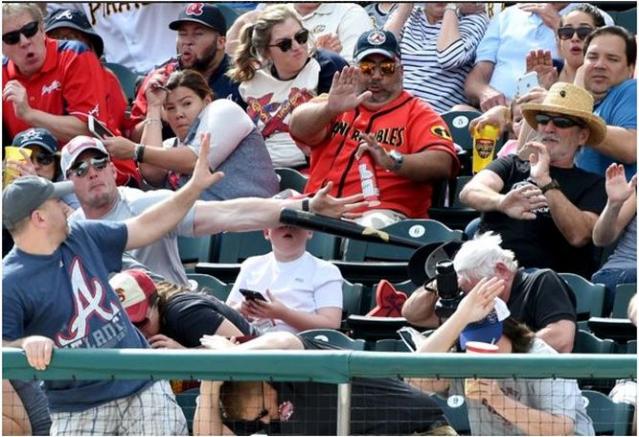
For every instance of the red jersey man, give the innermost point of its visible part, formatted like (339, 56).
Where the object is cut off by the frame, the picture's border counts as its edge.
(367, 111)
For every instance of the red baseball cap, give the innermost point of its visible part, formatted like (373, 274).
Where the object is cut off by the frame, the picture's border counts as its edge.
(134, 287)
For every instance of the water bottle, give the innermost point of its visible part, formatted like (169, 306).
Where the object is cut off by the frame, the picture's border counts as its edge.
(366, 167)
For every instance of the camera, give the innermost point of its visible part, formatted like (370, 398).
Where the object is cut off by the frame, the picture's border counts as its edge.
(447, 290)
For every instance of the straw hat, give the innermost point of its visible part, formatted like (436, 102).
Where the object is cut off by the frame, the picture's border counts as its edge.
(568, 99)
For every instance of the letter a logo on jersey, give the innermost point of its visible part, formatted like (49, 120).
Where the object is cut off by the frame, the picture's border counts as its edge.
(194, 9)
(90, 299)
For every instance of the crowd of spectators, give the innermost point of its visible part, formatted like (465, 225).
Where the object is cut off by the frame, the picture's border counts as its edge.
(351, 96)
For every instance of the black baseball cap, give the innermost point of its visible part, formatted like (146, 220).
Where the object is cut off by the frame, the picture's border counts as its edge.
(202, 13)
(376, 42)
(37, 136)
(77, 20)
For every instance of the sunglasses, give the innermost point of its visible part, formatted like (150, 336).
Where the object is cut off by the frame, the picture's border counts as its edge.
(568, 32)
(28, 30)
(81, 169)
(286, 44)
(560, 121)
(386, 67)
(43, 158)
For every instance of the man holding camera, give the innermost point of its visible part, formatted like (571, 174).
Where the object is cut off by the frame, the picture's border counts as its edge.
(539, 299)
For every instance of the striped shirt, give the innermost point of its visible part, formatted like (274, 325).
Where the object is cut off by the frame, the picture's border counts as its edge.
(438, 77)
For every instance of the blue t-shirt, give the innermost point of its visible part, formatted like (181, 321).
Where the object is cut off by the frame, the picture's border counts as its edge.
(618, 108)
(66, 296)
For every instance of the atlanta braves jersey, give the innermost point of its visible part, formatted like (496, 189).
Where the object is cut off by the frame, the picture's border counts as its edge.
(407, 125)
(66, 297)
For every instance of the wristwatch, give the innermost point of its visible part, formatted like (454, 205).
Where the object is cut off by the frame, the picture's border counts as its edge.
(398, 160)
(452, 7)
(552, 185)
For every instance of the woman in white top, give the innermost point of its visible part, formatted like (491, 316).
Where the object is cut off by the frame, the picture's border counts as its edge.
(278, 70)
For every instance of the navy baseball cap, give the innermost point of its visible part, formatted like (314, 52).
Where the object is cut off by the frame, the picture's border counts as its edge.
(202, 13)
(376, 42)
(36, 136)
(77, 20)
(26, 194)
(487, 330)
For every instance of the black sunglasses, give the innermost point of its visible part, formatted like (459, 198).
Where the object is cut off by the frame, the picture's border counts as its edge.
(82, 168)
(43, 158)
(560, 121)
(28, 30)
(286, 44)
(568, 32)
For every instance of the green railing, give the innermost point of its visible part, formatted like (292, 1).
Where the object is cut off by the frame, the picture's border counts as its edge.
(336, 367)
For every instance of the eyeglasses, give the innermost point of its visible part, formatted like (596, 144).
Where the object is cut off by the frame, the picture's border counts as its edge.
(81, 169)
(387, 68)
(286, 44)
(560, 121)
(28, 30)
(567, 32)
(43, 158)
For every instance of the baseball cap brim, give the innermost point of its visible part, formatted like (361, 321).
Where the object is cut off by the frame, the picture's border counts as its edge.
(421, 266)
(61, 189)
(39, 143)
(95, 38)
(175, 25)
(375, 51)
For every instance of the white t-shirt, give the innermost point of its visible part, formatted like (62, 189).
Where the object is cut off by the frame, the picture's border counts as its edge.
(346, 20)
(306, 284)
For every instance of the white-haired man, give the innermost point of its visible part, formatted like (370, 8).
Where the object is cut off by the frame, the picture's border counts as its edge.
(540, 299)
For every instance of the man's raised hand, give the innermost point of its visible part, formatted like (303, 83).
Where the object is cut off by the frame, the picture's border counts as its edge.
(343, 95)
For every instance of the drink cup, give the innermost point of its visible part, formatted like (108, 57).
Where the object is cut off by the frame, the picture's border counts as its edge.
(13, 153)
(479, 347)
(484, 141)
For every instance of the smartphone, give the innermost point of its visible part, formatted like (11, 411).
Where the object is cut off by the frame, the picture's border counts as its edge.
(98, 129)
(527, 82)
(411, 337)
(252, 295)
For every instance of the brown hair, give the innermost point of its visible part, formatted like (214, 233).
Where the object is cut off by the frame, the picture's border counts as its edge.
(233, 395)
(520, 335)
(254, 41)
(192, 80)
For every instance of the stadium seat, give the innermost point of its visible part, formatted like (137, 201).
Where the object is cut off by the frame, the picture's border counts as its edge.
(406, 286)
(195, 249)
(211, 285)
(608, 417)
(627, 19)
(422, 230)
(390, 345)
(235, 247)
(352, 295)
(455, 411)
(590, 297)
(623, 294)
(588, 343)
(230, 14)
(126, 77)
(333, 337)
(457, 215)
(186, 401)
(290, 178)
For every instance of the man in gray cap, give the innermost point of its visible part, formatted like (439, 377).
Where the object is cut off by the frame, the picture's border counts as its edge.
(201, 38)
(56, 294)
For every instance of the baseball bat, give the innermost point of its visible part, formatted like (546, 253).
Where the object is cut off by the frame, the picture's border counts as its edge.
(342, 228)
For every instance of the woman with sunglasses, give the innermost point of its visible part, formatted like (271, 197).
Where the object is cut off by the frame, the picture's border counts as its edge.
(573, 29)
(278, 69)
(186, 102)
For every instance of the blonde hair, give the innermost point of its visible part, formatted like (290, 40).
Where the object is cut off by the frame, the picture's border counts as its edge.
(11, 9)
(254, 41)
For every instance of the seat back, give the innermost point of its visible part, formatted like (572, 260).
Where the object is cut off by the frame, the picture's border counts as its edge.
(291, 178)
(590, 297)
(211, 285)
(627, 19)
(456, 412)
(588, 343)
(334, 338)
(186, 401)
(235, 247)
(608, 417)
(126, 77)
(194, 249)
(423, 230)
(390, 345)
(623, 294)
(352, 295)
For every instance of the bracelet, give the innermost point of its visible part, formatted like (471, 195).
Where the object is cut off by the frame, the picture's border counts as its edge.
(306, 205)
(151, 120)
(138, 153)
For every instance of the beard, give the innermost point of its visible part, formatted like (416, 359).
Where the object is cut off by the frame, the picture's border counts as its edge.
(201, 64)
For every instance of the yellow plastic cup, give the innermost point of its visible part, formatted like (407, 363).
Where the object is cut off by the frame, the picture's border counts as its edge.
(484, 141)
(12, 153)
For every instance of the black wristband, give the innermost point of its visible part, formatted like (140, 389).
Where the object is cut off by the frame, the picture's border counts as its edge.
(139, 153)
(306, 205)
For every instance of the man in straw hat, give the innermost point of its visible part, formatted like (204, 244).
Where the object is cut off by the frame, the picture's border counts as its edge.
(545, 208)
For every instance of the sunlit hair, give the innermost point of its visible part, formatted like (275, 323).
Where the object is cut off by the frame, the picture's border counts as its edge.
(12, 9)
(478, 257)
(250, 55)
(190, 79)
(588, 9)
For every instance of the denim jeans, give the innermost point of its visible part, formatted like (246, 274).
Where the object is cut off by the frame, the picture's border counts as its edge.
(610, 278)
